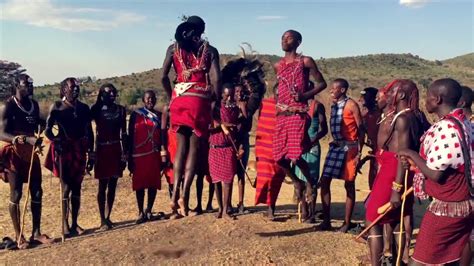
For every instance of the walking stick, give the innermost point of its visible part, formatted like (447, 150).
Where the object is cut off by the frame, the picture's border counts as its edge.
(400, 239)
(384, 207)
(382, 211)
(227, 133)
(33, 152)
(61, 202)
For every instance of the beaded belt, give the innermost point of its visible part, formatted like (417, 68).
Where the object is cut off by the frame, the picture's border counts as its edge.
(456, 209)
(108, 142)
(219, 146)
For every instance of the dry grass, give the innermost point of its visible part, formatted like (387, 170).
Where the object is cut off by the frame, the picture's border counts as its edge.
(251, 239)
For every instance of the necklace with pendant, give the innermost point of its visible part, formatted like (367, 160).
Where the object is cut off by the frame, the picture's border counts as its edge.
(74, 113)
(29, 112)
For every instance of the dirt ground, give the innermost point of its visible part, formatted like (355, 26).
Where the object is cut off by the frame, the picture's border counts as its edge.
(251, 239)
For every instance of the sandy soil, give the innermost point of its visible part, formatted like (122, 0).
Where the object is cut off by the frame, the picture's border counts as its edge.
(251, 239)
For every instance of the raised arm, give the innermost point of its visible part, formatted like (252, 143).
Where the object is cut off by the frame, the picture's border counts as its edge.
(167, 63)
(319, 82)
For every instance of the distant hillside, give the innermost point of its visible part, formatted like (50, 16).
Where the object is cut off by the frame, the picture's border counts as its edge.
(361, 71)
(466, 61)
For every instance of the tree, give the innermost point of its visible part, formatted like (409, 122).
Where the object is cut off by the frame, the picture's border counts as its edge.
(8, 72)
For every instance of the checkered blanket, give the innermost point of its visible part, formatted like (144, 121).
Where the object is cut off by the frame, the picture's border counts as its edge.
(334, 162)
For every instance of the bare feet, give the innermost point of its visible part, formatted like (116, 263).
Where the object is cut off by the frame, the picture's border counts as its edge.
(173, 206)
(345, 227)
(141, 218)
(22, 243)
(209, 208)
(182, 208)
(228, 216)
(175, 215)
(196, 212)
(109, 222)
(104, 227)
(219, 214)
(324, 226)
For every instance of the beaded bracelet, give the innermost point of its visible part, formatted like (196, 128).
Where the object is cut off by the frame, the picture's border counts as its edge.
(397, 187)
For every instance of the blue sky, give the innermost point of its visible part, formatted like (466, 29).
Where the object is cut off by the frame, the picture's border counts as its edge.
(53, 39)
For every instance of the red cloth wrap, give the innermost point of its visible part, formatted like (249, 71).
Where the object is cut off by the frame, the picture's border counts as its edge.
(291, 138)
(191, 111)
(269, 175)
(108, 161)
(17, 160)
(147, 169)
(442, 239)
(74, 159)
(223, 161)
(382, 189)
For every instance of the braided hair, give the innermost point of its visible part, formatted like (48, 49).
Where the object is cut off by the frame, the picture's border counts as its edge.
(99, 102)
(64, 86)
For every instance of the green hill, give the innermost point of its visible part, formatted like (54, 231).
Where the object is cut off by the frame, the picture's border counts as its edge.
(361, 71)
(466, 61)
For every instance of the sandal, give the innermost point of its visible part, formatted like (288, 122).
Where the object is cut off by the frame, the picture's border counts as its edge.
(7, 243)
(41, 239)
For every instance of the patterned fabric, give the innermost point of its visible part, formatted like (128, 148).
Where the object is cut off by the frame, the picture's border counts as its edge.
(291, 79)
(442, 237)
(314, 155)
(222, 159)
(441, 148)
(146, 151)
(333, 165)
(187, 110)
(291, 138)
(269, 175)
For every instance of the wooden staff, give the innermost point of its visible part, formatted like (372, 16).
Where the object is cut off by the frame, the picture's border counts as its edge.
(227, 133)
(382, 211)
(61, 199)
(33, 152)
(384, 207)
(400, 238)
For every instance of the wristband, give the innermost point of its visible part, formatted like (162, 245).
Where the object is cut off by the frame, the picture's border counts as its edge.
(397, 187)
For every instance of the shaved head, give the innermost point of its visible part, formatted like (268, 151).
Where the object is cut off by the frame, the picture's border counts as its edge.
(449, 90)
(466, 98)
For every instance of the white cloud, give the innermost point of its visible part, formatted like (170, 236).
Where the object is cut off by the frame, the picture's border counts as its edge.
(270, 18)
(43, 13)
(414, 3)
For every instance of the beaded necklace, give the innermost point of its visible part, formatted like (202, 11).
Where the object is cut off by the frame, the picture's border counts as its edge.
(200, 66)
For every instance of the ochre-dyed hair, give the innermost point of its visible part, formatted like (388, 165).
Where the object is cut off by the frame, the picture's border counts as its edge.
(409, 88)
